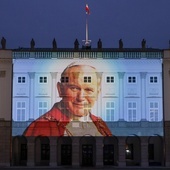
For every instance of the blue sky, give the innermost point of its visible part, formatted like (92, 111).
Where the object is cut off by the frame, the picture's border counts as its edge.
(64, 20)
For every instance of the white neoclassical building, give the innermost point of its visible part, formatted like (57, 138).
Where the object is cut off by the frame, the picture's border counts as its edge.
(132, 101)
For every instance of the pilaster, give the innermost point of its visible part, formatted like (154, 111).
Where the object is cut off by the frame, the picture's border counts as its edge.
(99, 151)
(31, 98)
(30, 151)
(121, 145)
(121, 95)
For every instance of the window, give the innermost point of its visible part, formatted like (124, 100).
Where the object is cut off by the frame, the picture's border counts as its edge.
(21, 111)
(131, 79)
(21, 79)
(109, 79)
(87, 108)
(66, 154)
(87, 155)
(153, 79)
(153, 111)
(23, 153)
(110, 109)
(42, 108)
(45, 152)
(129, 151)
(42, 79)
(87, 79)
(151, 151)
(132, 109)
(108, 155)
(64, 79)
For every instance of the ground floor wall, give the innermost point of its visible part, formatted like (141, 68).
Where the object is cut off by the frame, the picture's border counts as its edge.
(88, 151)
(119, 151)
(167, 142)
(5, 142)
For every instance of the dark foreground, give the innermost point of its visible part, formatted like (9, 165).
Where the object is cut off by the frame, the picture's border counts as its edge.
(84, 168)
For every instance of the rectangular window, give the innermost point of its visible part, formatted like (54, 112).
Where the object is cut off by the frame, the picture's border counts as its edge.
(153, 111)
(42, 108)
(64, 79)
(109, 79)
(87, 108)
(110, 110)
(43, 79)
(45, 152)
(2, 73)
(21, 79)
(129, 151)
(87, 155)
(151, 151)
(66, 154)
(23, 152)
(108, 155)
(153, 79)
(21, 111)
(87, 79)
(132, 110)
(131, 79)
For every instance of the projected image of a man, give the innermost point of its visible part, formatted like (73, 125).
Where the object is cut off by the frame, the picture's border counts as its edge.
(78, 88)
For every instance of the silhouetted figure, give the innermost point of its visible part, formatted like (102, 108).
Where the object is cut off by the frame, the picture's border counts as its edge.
(120, 44)
(76, 44)
(3, 43)
(99, 44)
(32, 43)
(54, 44)
(143, 43)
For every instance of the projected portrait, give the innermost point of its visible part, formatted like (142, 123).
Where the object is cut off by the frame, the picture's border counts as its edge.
(79, 88)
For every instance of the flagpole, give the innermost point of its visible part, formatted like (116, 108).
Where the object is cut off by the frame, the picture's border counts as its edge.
(87, 42)
(86, 30)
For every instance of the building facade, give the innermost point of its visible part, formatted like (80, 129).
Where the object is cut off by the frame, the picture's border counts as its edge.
(131, 102)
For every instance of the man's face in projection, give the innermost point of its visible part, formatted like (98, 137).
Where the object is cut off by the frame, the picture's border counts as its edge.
(79, 89)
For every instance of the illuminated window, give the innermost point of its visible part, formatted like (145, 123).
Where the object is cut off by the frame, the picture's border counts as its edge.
(87, 108)
(45, 152)
(21, 111)
(132, 109)
(129, 151)
(87, 79)
(66, 154)
(153, 79)
(42, 108)
(153, 111)
(131, 79)
(42, 79)
(110, 109)
(110, 79)
(21, 79)
(64, 79)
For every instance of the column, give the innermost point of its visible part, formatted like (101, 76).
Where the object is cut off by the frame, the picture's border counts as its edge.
(99, 151)
(75, 151)
(144, 151)
(30, 151)
(31, 98)
(53, 88)
(53, 151)
(121, 145)
(121, 95)
(143, 95)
